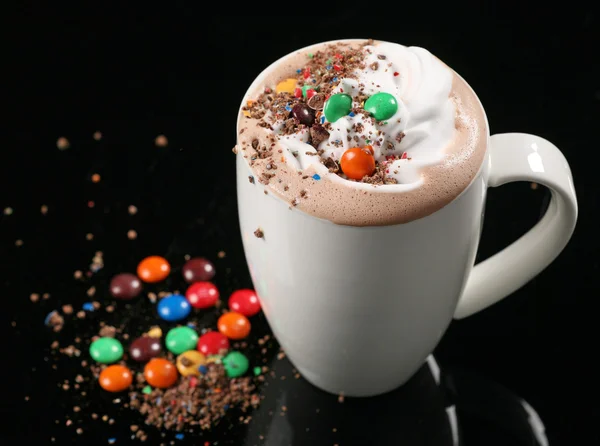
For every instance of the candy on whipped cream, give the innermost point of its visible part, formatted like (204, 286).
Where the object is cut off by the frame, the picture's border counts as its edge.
(419, 121)
(395, 99)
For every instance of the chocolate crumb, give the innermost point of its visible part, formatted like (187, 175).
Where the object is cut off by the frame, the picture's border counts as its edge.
(259, 233)
(251, 179)
(332, 165)
(62, 143)
(107, 331)
(317, 102)
(186, 362)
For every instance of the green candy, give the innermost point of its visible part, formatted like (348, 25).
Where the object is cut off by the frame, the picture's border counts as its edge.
(147, 390)
(337, 106)
(181, 339)
(381, 106)
(106, 350)
(236, 364)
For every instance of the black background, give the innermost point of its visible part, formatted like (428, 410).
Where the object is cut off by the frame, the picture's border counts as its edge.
(133, 77)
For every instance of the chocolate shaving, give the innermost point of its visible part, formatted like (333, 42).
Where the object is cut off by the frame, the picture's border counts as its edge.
(317, 102)
(259, 233)
(332, 165)
(318, 134)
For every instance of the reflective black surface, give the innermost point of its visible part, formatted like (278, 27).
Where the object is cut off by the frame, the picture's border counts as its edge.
(132, 79)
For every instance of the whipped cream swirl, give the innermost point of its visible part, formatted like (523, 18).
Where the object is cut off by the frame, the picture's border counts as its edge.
(421, 129)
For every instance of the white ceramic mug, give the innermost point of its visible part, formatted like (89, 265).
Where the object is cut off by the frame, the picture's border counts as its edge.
(358, 309)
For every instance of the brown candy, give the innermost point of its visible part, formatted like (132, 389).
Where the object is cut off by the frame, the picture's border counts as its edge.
(303, 114)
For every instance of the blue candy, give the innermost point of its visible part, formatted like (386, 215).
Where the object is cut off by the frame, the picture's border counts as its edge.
(174, 308)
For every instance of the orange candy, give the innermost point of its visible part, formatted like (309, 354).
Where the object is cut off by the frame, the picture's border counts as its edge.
(234, 325)
(153, 269)
(358, 162)
(160, 373)
(115, 378)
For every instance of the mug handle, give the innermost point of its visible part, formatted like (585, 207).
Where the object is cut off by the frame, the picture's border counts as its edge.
(523, 157)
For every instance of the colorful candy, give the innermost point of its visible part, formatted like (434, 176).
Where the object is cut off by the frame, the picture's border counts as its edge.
(198, 269)
(115, 378)
(245, 302)
(155, 332)
(174, 308)
(358, 162)
(181, 339)
(202, 295)
(188, 363)
(234, 325)
(236, 364)
(304, 114)
(286, 86)
(160, 373)
(106, 350)
(125, 286)
(153, 269)
(382, 106)
(145, 348)
(337, 106)
(308, 91)
(212, 343)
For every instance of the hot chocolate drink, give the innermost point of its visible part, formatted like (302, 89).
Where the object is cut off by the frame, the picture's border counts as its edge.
(362, 132)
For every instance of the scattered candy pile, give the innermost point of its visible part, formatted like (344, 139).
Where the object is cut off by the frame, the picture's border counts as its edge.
(190, 377)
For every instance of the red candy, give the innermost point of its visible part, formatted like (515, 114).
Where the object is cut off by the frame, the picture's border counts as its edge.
(337, 67)
(202, 295)
(306, 73)
(245, 302)
(212, 343)
(298, 92)
(310, 93)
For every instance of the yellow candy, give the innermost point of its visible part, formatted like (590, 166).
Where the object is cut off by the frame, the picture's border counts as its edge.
(188, 362)
(286, 86)
(155, 332)
(246, 113)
